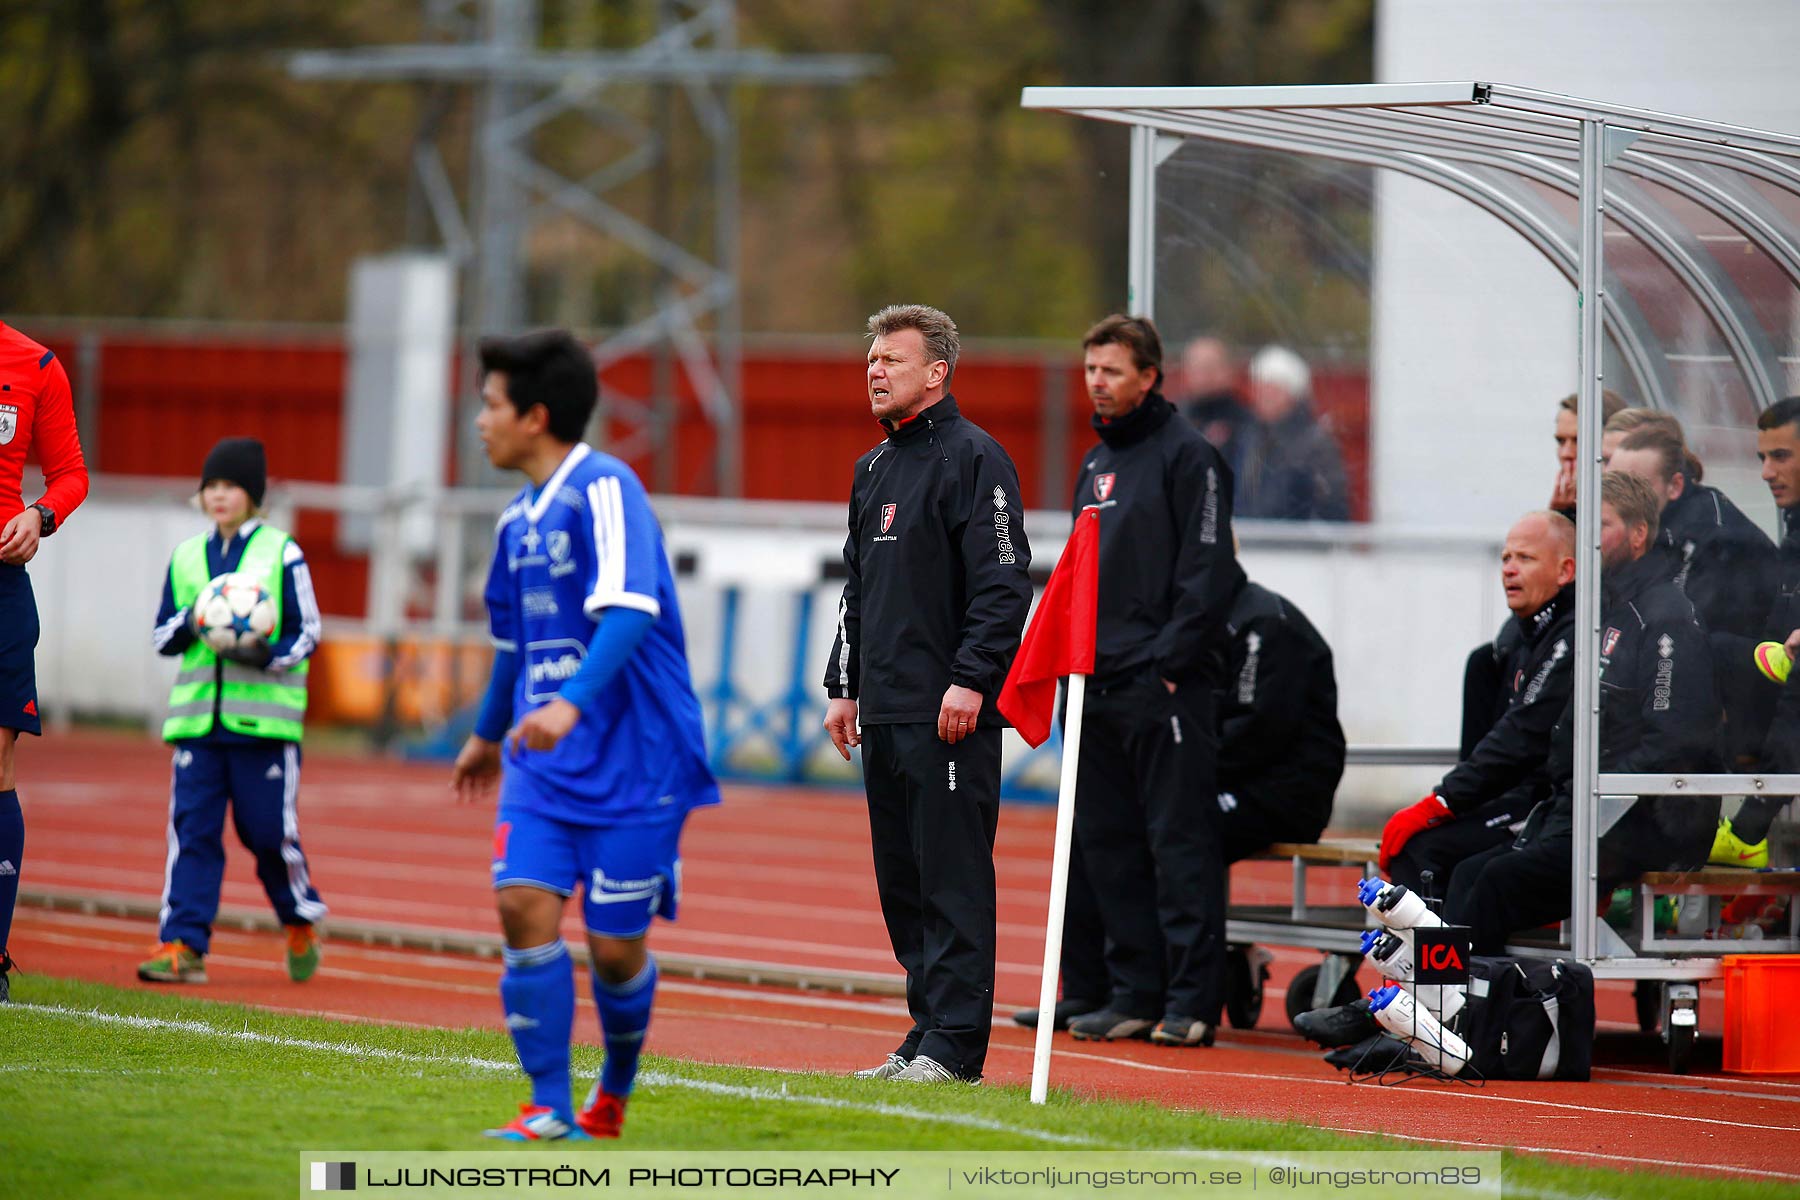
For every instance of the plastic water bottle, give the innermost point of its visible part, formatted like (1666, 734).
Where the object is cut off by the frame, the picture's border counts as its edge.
(1395, 1010)
(1390, 953)
(1395, 905)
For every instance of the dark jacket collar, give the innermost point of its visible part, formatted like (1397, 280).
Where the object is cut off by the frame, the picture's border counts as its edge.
(1694, 506)
(1137, 424)
(1534, 625)
(922, 422)
(1790, 524)
(1620, 584)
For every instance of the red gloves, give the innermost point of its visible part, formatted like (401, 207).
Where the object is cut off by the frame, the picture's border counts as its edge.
(1414, 818)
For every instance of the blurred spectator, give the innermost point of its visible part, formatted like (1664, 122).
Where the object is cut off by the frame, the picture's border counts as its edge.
(1210, 399)
(1562, 496)
(1292, 468)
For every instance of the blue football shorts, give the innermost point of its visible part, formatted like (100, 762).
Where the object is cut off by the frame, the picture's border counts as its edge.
(18, 650)
(626, 873)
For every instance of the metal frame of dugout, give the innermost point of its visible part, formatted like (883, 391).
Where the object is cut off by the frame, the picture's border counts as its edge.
(1505, 149)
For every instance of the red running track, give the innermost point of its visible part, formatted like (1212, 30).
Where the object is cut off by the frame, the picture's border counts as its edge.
(783, 877)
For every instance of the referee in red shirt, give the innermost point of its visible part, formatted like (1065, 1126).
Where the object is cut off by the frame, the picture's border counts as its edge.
(36, 414)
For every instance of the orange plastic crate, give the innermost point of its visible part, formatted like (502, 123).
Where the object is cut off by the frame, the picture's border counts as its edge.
(1760, 1038)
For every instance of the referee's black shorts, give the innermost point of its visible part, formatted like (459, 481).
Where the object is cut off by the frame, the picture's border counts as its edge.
(18, 651)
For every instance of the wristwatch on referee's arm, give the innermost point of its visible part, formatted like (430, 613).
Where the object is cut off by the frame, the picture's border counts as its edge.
(46, 520)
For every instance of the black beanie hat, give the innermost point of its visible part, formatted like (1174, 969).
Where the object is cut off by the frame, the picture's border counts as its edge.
(240, 461)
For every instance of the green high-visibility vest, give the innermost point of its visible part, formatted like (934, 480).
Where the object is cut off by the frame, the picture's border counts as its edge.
(268, 704)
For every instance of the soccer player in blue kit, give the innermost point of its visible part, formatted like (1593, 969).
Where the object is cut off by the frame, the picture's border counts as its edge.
(593, 711)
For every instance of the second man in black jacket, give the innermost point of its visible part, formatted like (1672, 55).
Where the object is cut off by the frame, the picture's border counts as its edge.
(1149, 744)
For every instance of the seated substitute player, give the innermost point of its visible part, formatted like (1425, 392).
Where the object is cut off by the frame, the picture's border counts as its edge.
(1483, 800)
(1745, 840)
(1658, 713)
(1281, 749)
(1729, 568)
(36, 417)
(606, 752)
(236, 726)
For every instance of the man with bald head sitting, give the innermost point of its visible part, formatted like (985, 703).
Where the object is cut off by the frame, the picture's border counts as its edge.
(1479, 803)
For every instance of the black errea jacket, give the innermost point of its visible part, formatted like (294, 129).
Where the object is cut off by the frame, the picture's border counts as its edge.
(1167, 569)
(1659, 710)
(1539, 671)
(1782, 748)
(1278, 722)
(937, 590)
(1725, 564)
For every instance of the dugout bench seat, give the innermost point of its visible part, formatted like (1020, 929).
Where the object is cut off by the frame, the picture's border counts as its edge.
(1333, 927)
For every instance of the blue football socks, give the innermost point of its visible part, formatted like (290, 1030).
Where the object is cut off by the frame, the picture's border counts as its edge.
(624, 1016)
(538, 991)
(12, 855)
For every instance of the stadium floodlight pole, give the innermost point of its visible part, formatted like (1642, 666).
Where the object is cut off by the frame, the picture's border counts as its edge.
(1059, 889)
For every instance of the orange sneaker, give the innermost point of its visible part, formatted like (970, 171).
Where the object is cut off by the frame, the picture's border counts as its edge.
(302, 952)
(173, 962)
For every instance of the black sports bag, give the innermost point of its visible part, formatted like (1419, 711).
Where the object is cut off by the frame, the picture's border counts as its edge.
(1530, 1018)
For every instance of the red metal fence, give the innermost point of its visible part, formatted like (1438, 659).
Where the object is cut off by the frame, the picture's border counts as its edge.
(152, 401)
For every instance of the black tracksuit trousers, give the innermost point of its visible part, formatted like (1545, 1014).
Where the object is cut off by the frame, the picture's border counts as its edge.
(1146, 810)
(933, 811)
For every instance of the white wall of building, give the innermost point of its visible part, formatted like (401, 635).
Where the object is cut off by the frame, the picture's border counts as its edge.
(1474, 333)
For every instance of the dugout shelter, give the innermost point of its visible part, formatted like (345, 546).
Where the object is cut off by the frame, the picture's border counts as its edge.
(1679, 242)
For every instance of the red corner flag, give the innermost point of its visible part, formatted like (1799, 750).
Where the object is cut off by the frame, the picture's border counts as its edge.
(1060, 639)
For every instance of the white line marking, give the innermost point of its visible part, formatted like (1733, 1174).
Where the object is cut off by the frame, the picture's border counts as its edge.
(1489, 1096)
(1626, 1158)
(654, 1078)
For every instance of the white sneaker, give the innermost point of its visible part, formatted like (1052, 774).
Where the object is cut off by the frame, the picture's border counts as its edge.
(887, 1070)
(929, 1070)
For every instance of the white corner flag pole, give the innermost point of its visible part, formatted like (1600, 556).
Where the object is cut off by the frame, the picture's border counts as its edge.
(1059, 889)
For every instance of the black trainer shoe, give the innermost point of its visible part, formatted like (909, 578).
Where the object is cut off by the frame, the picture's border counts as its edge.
(1345, 1025)
(1066, 1011)
(1109, 1026)
(1182, 1031)
(1374, 1055)
(6, 968)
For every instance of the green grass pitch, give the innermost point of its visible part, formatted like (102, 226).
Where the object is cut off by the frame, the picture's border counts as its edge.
(113, 1093)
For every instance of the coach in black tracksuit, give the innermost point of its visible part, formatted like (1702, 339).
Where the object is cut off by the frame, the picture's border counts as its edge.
(1148, 833)
(1281, 749)
(1479, 804)
(934, 601)
(1507, 773)
(1659, 711)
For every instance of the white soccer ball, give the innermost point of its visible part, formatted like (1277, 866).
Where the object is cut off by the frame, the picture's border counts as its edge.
(234, 614)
